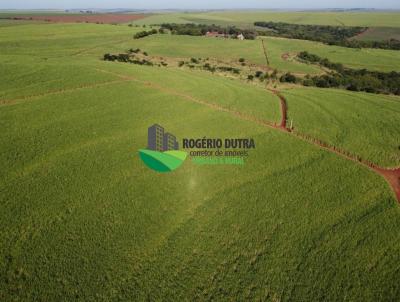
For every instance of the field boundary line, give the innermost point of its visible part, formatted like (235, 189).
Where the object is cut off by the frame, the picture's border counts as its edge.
(265, 51)
(82, 51)
(6, 102)
(195, 100)
(283, 108)
(392, 176)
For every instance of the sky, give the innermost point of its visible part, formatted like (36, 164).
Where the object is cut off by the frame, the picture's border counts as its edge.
(192, 4)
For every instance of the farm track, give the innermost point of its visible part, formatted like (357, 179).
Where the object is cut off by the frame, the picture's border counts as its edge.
(265, 51)
(283, 109)
(392, 176)
(195, 100)
(82, 51)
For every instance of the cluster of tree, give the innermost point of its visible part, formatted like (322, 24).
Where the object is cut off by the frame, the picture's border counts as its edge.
(197, 62)
(347, 78)
(137, 50)
(192, 29)
(228, 69)
(322, 33)
(263, 76)
(126, 58)
(142, 34)
(332, 35)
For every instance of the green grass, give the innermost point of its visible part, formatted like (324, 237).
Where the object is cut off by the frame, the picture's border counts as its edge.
(51, 41)
(109, 228)
(247, 18)
(347, 120)
(35, 77)
(187, 46)
(228, 93)
(82, 218)
(7, 22)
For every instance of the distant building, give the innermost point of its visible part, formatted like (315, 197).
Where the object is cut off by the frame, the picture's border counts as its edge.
(155, 138)
(215, 34)
(160, 141)
(169, 142)
(240, 37)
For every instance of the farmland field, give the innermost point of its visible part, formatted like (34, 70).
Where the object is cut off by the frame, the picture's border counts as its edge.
(185, 46)
(380, 33)
(345, 119)
(83, 219)
(373, 19)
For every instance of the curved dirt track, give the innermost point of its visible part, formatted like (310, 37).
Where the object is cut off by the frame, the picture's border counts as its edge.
(283, 109)
(392, 176)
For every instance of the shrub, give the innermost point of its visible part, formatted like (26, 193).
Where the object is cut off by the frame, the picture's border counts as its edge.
(259, 74)
(288, 78)
(137, 50)
(144, 33)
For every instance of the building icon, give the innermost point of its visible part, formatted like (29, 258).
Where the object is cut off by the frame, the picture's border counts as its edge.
(169, 142)
(158, 140)
(155, 138)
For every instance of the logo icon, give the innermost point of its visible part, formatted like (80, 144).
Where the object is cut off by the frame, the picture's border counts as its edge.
(162, 153)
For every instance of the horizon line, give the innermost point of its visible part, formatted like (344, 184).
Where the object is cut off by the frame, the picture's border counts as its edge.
(205, 9)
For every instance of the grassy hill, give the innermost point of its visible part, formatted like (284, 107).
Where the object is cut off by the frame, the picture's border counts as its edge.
(186, 47)
(247, 18)
(81, 217)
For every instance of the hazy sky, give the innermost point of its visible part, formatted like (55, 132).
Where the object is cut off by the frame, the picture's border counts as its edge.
(191, 4)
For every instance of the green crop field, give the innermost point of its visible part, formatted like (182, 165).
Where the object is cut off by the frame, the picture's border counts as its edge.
(185, 46)
(83, 219)
(380, 33)
(346, 119)
(373, 19)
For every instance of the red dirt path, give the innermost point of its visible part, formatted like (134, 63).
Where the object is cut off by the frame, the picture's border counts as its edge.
(95, 18)
(392, 176)
(360, 34)
(283, 109)
(285, 56)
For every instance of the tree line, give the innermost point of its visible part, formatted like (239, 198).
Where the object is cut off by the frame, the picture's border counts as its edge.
(346, 78)
(331, 35)
(142, 34)
(127, 58)
(192, 29)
